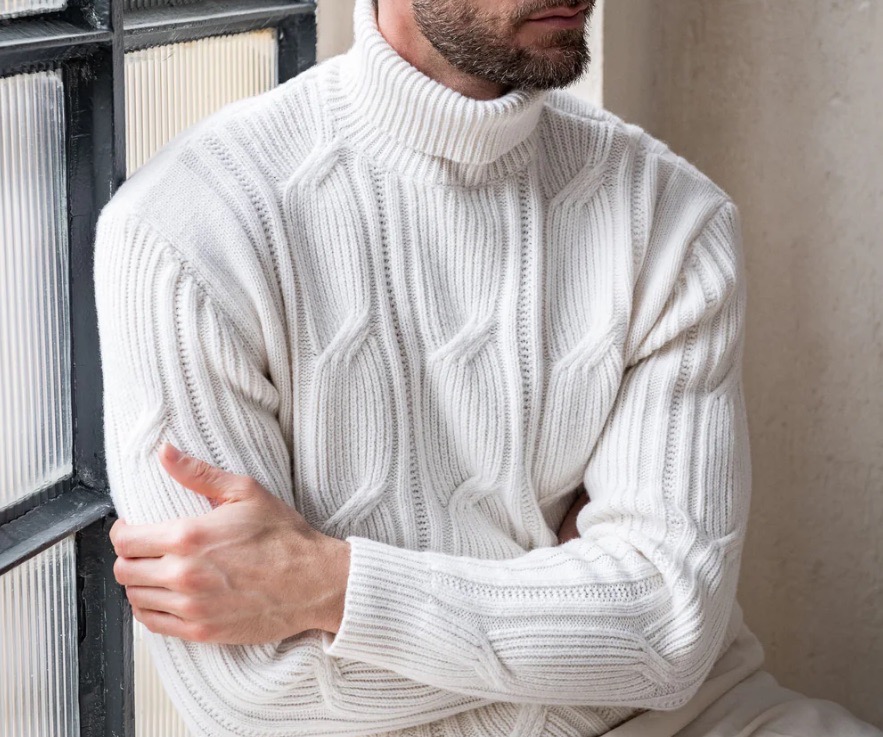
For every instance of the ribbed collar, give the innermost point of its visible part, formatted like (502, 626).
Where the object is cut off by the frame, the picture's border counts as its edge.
(384, 89)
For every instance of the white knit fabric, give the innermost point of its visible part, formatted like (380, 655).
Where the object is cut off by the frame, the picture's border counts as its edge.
(424, 320)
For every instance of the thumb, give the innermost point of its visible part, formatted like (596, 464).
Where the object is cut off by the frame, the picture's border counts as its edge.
(214, 483)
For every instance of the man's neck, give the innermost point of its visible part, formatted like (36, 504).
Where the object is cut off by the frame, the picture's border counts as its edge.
(400, 30)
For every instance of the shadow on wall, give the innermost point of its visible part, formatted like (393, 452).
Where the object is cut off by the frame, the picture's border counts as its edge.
(779, 104)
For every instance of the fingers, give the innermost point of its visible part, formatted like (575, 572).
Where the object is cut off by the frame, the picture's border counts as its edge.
(164, 623)
(161, 600)
(154, 540)
(169, 572)
(197, 475)
(144, 572)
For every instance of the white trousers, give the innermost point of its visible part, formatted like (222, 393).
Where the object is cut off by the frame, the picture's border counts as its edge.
(739, 699)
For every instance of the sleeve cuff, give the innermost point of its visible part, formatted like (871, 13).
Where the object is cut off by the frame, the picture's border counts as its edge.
(386, 586)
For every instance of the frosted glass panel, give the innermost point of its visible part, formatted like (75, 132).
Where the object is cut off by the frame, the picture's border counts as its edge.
(154, 714)
(38, 646)
(35, 420)
(9, 8)
(168, 88)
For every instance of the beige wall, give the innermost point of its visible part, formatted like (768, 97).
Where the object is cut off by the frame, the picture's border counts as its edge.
(334, 19)
(782, 104)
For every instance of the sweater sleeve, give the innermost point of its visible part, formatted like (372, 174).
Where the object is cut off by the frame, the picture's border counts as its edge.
(175, 368)
(634, 611)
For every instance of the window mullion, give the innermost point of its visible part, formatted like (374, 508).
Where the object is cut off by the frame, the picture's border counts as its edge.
(96, 167)
(87, 41)
(45, 525)
(106, 657)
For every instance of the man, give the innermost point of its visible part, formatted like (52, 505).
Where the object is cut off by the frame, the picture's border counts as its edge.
(368, 340)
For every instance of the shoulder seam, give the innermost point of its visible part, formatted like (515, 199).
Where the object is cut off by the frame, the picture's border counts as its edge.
(663, 151)
(190, 268)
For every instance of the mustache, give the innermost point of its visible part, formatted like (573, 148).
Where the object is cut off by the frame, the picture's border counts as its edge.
(540, 5)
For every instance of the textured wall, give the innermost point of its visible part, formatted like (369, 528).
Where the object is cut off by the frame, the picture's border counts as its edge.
(334, 21)
(781, 102)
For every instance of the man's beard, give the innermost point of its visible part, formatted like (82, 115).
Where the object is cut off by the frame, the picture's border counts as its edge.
(473, 44)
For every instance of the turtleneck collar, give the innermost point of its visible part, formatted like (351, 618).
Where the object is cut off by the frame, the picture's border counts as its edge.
(423, 114)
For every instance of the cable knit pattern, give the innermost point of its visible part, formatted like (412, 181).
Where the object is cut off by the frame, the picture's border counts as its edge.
(424, 320)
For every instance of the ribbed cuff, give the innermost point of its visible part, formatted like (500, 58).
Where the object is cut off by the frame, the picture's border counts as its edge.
(388, 593)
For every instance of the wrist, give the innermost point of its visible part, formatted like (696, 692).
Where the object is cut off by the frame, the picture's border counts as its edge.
(335, 565)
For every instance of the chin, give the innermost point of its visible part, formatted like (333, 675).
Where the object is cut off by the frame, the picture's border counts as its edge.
(555, 37)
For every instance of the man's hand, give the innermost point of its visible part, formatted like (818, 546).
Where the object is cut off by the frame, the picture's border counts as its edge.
(568, 530)
(250, 571)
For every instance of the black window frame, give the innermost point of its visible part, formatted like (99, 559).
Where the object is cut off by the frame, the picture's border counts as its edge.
(87, 41)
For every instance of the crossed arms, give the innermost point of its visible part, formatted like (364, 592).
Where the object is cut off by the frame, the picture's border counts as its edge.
(631, 612)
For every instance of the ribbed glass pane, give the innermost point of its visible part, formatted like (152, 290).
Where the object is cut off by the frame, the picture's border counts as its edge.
(10, 8)
(35, 407)
(155, 716)
(38, 646)
(168, 88)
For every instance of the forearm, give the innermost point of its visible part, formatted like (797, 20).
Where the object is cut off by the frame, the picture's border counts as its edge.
(216, 403)
(632, 612)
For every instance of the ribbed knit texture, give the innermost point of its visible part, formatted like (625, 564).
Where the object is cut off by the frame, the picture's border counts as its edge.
(424, 319)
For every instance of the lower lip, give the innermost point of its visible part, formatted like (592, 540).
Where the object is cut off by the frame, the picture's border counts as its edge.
(560, 21)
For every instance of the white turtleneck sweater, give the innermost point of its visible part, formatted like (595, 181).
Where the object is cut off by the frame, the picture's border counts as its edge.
(424, 320)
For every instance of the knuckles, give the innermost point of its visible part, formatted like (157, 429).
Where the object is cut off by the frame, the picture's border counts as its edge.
(186, 578)
(194, 610)
(187, 537)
